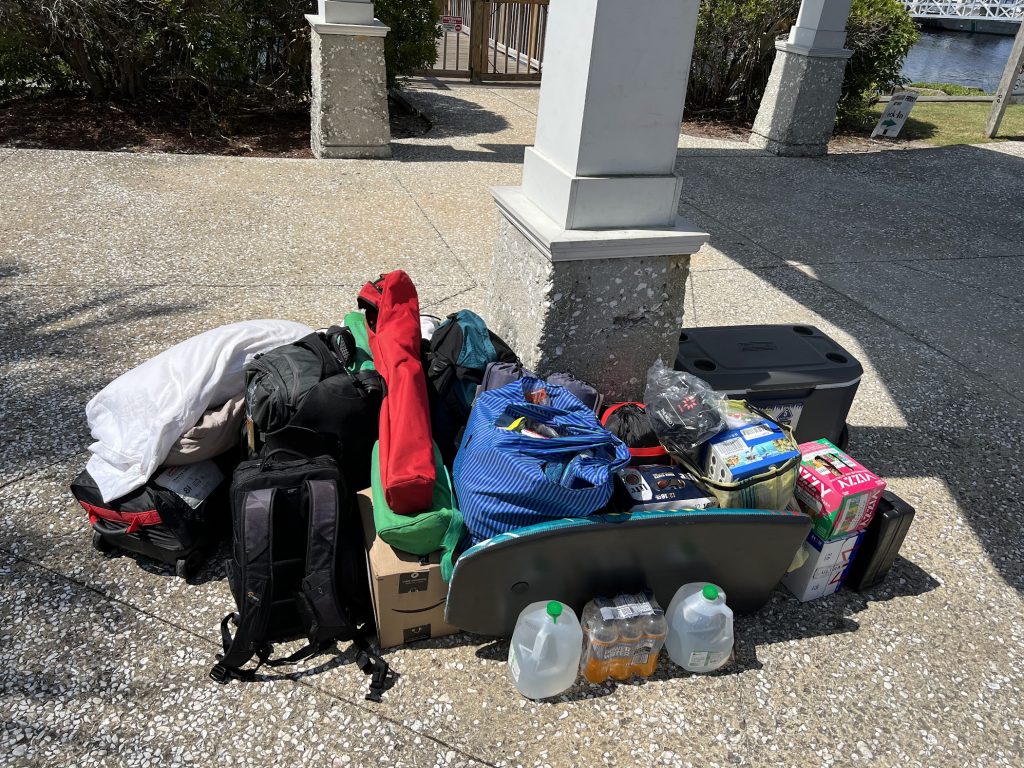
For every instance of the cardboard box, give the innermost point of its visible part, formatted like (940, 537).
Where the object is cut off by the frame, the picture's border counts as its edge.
(740, 453)
(837, 492)
(825, 569)
(409, 594)
(657, 487)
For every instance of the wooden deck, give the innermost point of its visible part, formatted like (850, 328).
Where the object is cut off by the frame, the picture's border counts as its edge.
(453, 53)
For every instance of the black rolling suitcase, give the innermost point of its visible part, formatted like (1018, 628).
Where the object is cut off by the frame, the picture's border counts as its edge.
(881, 543)
(154, 521)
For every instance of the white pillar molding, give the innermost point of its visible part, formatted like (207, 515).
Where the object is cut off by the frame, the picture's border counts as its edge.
(591, 260)
(349, 104)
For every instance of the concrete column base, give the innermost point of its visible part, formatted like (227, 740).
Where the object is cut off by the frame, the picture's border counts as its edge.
(798, 110)
(349, 105)
(605, 320)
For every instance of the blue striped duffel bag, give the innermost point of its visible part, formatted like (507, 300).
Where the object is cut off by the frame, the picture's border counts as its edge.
(532, 452)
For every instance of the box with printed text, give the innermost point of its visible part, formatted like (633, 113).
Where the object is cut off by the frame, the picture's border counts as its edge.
(750, 446)
(837, 492)
(825, 568)
(408, 592)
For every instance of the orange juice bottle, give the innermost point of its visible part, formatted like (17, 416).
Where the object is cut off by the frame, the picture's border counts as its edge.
(599, 640)
(655, 630)
(630, 634)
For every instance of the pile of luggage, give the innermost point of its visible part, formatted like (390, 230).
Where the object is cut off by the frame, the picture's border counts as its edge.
(352, 467)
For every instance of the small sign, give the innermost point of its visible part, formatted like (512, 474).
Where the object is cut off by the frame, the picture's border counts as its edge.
(451, 23)
(895, 115)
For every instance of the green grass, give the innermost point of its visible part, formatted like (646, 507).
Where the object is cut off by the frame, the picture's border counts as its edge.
(950, 89)
(951, 122)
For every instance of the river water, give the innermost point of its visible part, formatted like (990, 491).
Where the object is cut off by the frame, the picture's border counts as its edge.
(958, 57)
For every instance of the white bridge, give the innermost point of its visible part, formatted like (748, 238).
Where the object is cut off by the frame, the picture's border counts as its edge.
(1001, 10)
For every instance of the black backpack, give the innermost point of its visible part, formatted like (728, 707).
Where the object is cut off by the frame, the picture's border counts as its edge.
(459, 352)
(301, 397)
(298, 567)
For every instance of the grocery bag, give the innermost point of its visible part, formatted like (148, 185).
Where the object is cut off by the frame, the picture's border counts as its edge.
(507, 479)
(771, 489)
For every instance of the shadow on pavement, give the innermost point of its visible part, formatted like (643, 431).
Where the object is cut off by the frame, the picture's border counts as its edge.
(924, 242)
(45, 383)
(451, 116)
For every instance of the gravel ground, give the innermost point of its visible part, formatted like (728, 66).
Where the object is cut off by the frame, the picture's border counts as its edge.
(911, 260)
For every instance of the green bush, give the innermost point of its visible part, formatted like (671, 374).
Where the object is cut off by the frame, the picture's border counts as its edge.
(733, 53)
(210, 51)
(735, 48)
(880, 33)
(412, 42)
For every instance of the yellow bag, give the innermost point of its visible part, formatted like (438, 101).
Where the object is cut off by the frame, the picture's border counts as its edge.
(772, 489)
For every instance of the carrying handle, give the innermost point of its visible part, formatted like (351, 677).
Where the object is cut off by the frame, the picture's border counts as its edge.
(275, 451)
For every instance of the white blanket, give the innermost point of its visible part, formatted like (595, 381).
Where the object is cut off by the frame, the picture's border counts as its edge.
(138, 416)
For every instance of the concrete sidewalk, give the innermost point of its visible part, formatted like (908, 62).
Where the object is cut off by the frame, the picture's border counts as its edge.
(913, 260)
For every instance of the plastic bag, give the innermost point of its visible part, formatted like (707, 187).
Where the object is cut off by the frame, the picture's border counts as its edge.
(684, 410)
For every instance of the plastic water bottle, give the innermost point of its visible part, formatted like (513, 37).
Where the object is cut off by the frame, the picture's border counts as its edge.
(699, 628)
(544, 655)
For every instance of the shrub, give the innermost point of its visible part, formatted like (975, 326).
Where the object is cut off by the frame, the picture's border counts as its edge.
(412, 42)
(733, 53)
(880, 33)
(735, 48)
(213, 51)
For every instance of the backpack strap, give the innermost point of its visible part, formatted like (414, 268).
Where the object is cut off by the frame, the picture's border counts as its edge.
(319, 606)
(318, 600)
(329, 364)
(342, 344)
(257, 588)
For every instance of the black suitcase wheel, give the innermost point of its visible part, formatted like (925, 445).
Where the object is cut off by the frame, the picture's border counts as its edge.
(100, 544)
(185, 567)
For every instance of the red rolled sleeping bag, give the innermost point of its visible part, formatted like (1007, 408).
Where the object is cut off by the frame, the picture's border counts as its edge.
(407, 470)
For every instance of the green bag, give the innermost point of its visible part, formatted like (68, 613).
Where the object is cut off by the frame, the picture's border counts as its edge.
(439, 527)
(363, 361)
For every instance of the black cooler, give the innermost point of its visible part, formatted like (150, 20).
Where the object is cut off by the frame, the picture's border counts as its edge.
(796, 373)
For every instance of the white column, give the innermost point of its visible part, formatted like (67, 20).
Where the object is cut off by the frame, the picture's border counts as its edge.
(611, 102)
(820, 26)
(798, 109)
(349, 101)
(591, 261)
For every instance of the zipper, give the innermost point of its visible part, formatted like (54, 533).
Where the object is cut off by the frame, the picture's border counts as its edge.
(274, 373)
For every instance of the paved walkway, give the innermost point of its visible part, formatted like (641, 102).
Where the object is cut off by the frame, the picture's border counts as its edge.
(913, 260)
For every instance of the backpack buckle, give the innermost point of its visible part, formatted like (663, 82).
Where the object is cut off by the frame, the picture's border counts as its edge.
(220, 674)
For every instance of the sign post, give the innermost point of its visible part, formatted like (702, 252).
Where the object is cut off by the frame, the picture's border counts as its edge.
(1014, 69)
(895, 115)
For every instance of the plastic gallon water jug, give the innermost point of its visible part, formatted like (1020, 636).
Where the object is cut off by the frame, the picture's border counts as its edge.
(544, 655)
(699, 628)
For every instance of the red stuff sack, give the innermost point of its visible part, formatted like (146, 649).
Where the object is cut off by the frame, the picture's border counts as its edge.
(407, 470)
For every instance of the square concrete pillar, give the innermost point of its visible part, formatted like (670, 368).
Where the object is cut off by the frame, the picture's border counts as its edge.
(798, 110)
(349, 104)
(590, 266)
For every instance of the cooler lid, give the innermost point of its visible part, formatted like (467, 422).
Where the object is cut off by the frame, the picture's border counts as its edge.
(765, 358)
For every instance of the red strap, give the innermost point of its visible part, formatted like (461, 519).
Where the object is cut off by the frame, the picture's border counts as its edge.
(646, 453)
(613, 408)
(135, 520)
